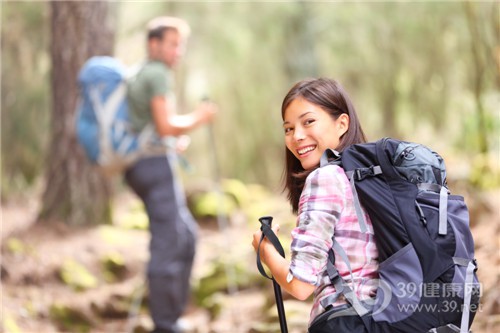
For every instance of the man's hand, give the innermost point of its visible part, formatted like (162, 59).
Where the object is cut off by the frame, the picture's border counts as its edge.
(206, 111)
(182, 143)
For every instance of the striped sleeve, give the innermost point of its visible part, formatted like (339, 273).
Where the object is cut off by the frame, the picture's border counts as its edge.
(320, 206)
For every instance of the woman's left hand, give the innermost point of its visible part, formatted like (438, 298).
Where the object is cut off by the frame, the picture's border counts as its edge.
(264, 246)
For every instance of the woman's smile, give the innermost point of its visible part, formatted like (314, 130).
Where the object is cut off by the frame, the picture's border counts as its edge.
(303, 151)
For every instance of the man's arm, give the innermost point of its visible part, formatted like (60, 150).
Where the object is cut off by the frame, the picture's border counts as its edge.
(168, 123)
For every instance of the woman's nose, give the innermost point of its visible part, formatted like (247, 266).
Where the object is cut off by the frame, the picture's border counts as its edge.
(298, 134)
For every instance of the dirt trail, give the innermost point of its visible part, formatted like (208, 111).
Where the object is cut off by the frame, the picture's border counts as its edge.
(30, 283)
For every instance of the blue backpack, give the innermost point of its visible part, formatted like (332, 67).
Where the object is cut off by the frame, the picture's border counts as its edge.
(427, 272)
(102, 124)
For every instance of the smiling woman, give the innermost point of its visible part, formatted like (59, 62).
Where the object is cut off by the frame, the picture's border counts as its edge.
(318, 115)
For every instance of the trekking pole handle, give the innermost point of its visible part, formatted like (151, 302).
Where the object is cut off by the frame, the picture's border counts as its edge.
(267, 232)
(266, 224)
(267, 220)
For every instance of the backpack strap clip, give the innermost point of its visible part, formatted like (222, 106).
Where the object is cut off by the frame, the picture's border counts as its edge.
(362, 173)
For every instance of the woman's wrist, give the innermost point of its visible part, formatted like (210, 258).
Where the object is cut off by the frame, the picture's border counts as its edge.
(267, 252)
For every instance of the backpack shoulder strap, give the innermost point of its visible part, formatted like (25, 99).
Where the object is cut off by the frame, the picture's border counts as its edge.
(341, 287)
(330, 156)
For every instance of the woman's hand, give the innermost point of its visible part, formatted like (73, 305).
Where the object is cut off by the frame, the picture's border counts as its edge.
(280, 267)
(266, 246)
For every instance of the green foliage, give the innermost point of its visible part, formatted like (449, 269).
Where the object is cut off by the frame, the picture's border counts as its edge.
(114, 267)
(237, 189)
(212, 204)
(10, 325)
(69, 319)
(266, 327)
(469, 139)
(117, 306)
(484, 174)
(214, 304)
(406, 66)
(25, 93)
(16, 246)
(215, 280)
(136, 218)
(415, 70)
(77, 276)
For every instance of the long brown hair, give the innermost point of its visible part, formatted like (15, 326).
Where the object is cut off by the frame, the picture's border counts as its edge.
(331, 97)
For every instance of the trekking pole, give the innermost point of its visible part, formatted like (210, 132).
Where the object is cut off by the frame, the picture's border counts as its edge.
(135, 307)
(222, 222)
(266, 222)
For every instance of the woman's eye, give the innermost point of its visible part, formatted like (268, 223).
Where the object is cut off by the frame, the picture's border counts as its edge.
(309, 121)
(288, 129)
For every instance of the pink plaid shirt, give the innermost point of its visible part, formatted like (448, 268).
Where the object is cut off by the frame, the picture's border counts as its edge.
(326, 208)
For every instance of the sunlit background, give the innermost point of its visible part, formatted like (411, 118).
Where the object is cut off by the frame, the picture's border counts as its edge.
(420, 71)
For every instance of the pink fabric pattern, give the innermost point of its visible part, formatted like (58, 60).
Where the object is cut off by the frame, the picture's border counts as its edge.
(326, 208)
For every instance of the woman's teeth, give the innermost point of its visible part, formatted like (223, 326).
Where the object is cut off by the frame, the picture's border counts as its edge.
(305, 150)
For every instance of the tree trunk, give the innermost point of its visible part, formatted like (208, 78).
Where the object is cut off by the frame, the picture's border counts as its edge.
(386, 90)
(478, 75)
(75, 192)
(301, 59)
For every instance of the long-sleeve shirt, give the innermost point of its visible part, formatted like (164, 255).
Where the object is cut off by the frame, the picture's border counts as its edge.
(326, 208)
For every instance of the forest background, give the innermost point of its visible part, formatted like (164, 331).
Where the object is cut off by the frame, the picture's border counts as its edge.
(419, 71)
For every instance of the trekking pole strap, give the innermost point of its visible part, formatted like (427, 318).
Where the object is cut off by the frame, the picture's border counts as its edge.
(271, 236)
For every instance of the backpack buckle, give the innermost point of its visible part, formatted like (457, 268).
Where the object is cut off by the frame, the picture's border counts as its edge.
(362, 173)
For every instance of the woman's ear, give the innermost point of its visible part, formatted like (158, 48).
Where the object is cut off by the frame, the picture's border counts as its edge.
(343, 123)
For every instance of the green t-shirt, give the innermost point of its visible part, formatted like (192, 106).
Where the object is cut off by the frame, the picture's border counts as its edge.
(153, 79)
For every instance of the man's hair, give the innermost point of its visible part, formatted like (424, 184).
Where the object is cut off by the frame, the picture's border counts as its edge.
(157, 27)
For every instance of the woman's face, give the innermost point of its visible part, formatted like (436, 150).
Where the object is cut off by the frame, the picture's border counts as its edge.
(310, 130)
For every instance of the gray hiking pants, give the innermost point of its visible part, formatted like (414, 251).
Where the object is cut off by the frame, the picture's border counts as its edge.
(173, 238)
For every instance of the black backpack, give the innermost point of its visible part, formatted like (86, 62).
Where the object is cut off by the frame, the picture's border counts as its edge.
(427, 269)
